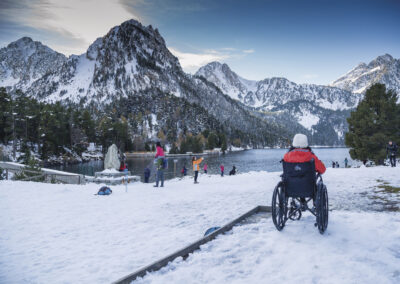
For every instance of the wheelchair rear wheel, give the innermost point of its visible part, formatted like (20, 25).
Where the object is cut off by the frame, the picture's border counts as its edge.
(322, 208)
(279, 207)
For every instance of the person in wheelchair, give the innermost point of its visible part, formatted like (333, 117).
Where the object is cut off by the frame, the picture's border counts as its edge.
(300, 152)
(301, 182)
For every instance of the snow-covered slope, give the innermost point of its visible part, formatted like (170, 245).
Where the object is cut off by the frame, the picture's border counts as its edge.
(24, 61)
(384, 69)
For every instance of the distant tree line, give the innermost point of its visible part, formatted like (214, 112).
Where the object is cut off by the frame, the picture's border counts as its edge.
(133, 123)
(50, 128)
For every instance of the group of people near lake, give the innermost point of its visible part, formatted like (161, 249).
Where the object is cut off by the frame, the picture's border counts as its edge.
(196, 163)
(161, 164)
(294, 154)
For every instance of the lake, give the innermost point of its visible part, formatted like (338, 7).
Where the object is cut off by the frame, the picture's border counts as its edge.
(245, 161)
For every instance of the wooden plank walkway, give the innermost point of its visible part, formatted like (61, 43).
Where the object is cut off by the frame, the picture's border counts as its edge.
(190, 248)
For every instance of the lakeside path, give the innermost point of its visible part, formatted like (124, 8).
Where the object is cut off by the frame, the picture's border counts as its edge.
(55, 233)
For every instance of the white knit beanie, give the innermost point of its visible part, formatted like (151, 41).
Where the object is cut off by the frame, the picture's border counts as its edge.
(300, 141)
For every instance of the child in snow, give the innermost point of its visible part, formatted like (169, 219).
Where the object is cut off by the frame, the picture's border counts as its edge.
(222, 170)
(184, 171)
(233, 171)
(205, 168)
(123, 167)
(196, 167)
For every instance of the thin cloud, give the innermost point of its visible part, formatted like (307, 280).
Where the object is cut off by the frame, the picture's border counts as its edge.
(191, 62)
(248, 51)
(68, 25)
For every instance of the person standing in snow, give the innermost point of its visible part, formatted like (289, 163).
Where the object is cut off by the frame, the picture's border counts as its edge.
(205, 168)
(159, 151)
(333, 164)
(222, 169)
(159, 163)
(196, 167)
(146, 174)
(346, 161)
(184, 171)
(337, 165)
(391, 151)
(233, 171)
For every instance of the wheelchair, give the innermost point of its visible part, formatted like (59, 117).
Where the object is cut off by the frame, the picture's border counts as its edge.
(299, 185)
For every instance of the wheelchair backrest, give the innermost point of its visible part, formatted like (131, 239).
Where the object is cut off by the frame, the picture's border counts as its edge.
(299, 179)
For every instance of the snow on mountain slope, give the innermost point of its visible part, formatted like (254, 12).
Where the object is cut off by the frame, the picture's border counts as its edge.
(271, 92)
(230, 83)
(307, 104)
(24, 61)
(384, 69)
(131, 64)
(129, 59)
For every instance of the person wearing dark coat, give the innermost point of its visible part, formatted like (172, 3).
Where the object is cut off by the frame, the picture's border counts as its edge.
(233, 171)
(391, 151)
(146, 175)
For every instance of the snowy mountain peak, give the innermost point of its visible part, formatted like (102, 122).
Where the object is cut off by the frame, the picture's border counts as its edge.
(24, 61)
(384, 69)
(229, 82)
(383, 59)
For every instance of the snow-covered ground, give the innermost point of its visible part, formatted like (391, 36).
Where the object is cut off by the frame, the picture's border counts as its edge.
(65, 234)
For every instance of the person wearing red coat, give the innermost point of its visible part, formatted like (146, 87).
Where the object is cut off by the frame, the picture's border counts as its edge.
(301, 152)
(160, 151)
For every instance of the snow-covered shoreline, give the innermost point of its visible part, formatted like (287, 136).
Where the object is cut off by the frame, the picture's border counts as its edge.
(54, 233)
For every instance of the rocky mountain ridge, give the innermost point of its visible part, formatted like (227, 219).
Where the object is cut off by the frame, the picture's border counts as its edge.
(131, 61)
(384, 69)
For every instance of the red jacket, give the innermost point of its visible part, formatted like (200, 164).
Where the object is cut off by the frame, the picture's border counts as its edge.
(160, 152)
(304, 155)
(222, 168)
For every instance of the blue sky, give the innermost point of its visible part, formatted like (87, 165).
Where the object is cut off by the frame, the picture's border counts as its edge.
(304, 41)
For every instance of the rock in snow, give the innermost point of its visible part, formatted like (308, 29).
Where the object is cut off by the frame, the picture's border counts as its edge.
(111, 161)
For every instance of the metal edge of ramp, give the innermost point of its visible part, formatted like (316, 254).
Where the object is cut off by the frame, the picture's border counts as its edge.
(190, 248)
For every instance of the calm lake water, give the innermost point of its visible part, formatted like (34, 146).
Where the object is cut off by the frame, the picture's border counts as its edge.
(245, 161)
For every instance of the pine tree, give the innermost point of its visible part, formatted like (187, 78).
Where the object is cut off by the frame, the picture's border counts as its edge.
(174, 149)
(212, 141)
(375, 121)
(224, 146)
(5, 116)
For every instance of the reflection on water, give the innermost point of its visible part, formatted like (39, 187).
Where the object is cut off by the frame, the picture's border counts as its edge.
(245, 161)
